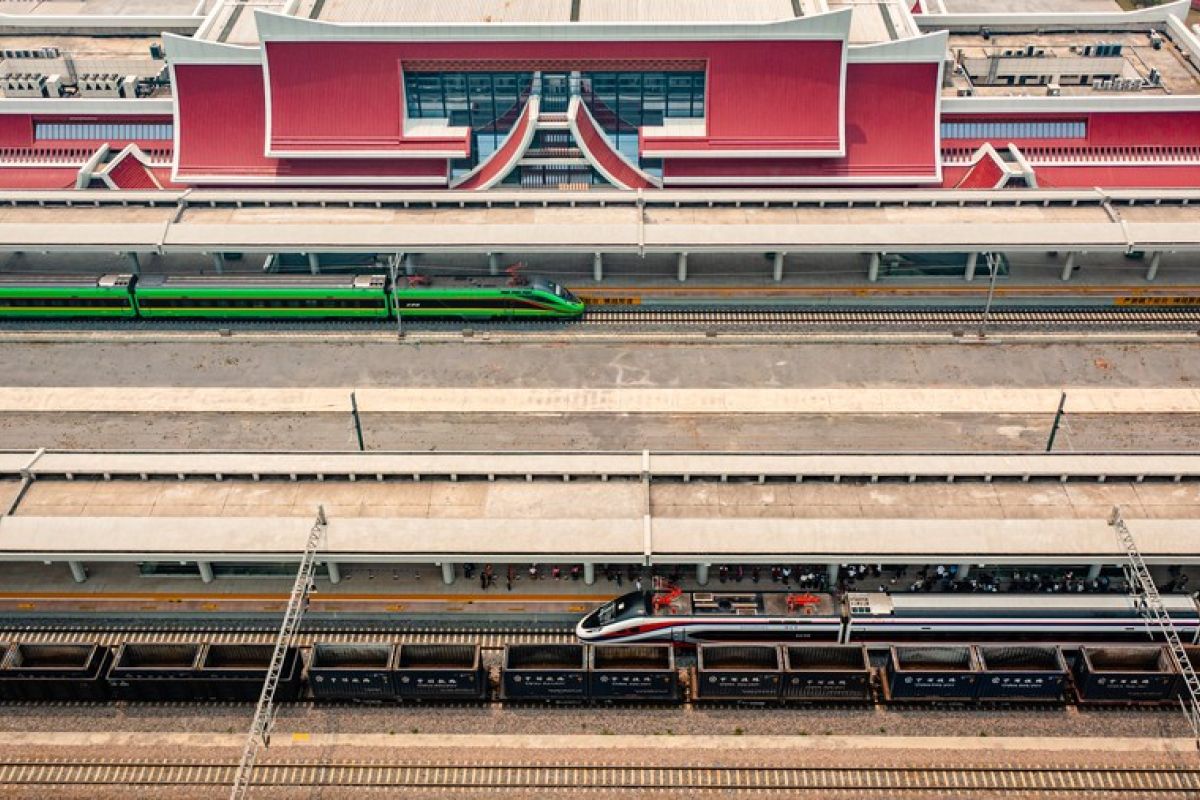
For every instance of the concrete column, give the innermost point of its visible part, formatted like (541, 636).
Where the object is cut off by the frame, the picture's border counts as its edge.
(335, 572)
(834, 571)
(964, 570)
(589, 573)
(218, 260)
(493, 263)
(1094, 571)
(681, 264)
(410, 264)
(598, 267)
(873, 268)
(1068, 266)
(972, 262)
(314, 263)
(135, 265)
(1155, 261)
(78, 571)
(448, 573)
(702, 574)
(206, 573)
(777, 272)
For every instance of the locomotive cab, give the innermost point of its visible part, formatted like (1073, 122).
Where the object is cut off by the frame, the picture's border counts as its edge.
(610, 616)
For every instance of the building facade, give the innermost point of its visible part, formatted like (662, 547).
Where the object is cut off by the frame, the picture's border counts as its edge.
(631, 96)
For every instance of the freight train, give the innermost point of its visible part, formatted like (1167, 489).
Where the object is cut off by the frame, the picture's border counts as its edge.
(358, 297)
(693, 617)
(578, 673)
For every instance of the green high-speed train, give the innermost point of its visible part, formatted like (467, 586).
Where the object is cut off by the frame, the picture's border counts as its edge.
(280, 297)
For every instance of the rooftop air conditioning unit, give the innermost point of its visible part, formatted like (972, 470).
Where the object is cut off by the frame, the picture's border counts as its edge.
(25, 85)
(1156, 40)
(1053, 90)
(966, 92)
(127, 86)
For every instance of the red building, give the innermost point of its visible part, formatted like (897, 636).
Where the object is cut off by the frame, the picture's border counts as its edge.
(829, 97)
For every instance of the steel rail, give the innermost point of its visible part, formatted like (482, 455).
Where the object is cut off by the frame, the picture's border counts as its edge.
(892, 317)
(489, 640)
(760, 780)
(695, 316)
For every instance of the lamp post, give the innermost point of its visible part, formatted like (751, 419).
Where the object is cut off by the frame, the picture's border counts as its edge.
(993, 269)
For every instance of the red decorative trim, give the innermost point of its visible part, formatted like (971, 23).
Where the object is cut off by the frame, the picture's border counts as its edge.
(556, 65)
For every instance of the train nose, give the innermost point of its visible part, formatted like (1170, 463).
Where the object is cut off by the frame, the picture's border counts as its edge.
(586, 628)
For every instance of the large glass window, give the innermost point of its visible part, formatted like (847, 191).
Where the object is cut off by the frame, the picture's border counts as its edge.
(104, 131)
(1016, 129)
(489, 103)
(486, 102)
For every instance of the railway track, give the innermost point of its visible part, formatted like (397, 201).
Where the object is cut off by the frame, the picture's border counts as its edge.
(703, 317)
(489, 639)
(872, 317)
(591, 778)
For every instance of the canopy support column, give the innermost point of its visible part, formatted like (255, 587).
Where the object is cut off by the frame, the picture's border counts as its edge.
(1068, 266)
(972, 262)
(1155, 262)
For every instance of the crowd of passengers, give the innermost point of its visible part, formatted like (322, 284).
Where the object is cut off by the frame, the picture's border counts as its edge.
(851, 578)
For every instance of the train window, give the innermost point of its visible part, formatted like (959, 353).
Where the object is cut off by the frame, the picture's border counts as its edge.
(608, 611)
(63, 302)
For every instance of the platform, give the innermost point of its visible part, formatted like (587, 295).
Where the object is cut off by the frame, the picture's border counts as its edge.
(439, 511)
(645, 222)
(537, 400)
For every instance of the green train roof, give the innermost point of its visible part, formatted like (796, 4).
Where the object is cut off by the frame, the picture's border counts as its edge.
(44, 281)
(273, 282)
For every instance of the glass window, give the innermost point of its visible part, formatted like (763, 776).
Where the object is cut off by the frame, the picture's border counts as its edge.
(107, 131)
(1016, 129)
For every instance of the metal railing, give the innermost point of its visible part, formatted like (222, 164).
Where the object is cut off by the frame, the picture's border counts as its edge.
(260, 728)
(1145, 593)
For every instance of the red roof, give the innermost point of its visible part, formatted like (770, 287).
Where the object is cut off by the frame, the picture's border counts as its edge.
(890, 133)
(221, 135)
(129, 173)
(349, 95)
(985, 173)
(501, 162)
(598, 148)
(1173, 176)
(38, 177)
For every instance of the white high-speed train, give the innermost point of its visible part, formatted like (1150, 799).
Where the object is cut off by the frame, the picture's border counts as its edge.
(689, 617)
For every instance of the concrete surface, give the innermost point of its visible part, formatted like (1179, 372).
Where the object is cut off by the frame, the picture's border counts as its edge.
(582, 364)
(464, 368)
(551, 500)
